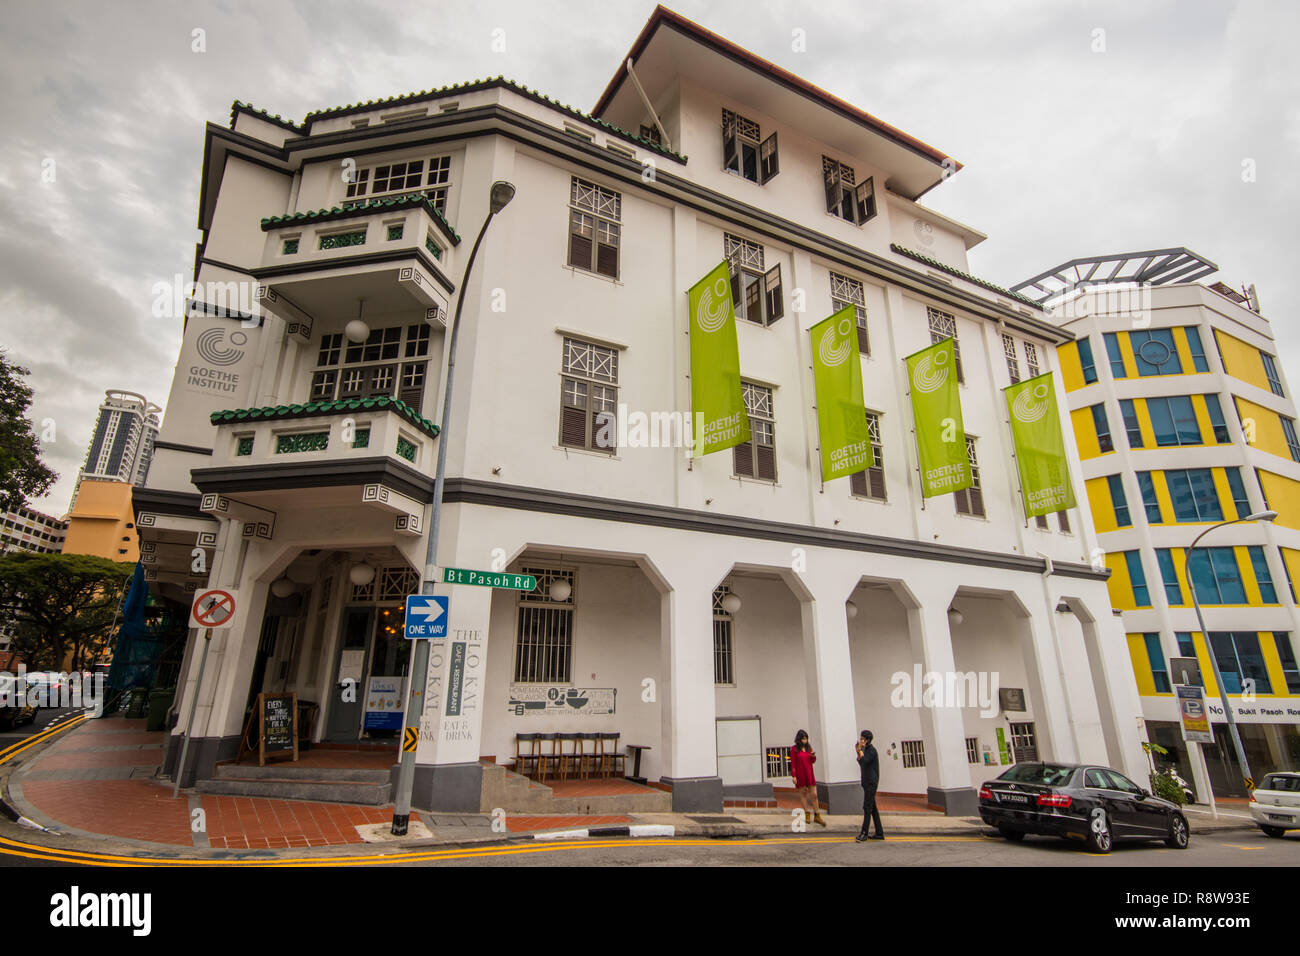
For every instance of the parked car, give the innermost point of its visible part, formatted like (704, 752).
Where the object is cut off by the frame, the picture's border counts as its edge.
(1092, 804)
(1275, 803)
(11, 714)
(47, 685)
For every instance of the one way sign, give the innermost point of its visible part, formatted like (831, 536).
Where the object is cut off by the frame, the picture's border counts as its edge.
(426, 616)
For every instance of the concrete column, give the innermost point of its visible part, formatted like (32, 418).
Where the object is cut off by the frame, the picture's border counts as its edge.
(828, 671)
(688, 708)
(1053, 709)
(947, 772)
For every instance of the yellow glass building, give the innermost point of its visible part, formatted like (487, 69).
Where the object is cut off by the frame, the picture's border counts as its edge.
(1183, 420)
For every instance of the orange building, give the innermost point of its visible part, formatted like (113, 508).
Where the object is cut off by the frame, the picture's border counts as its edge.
(101, 522)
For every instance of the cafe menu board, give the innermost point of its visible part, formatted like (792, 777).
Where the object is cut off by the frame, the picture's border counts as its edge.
(278, 726)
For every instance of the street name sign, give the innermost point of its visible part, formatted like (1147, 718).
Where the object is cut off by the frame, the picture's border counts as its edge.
(490, 579)
(426, 616)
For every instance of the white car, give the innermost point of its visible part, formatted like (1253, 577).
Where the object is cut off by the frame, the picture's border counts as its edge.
(1275, 803)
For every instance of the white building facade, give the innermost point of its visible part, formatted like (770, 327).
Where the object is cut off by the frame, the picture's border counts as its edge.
(122, 446)
(306, 460)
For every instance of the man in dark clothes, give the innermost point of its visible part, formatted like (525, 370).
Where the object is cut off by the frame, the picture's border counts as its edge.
(869, 765)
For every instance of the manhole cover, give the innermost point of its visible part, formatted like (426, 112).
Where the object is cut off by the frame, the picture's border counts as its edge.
(715, 819)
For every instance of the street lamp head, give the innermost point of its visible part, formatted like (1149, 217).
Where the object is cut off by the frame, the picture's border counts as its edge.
(1262, 516)
(502, 193)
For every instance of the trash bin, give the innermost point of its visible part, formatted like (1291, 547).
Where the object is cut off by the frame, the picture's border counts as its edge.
(160, 701)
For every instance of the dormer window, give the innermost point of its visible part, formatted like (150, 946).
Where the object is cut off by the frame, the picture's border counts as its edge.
(845, 196)
(745, 152)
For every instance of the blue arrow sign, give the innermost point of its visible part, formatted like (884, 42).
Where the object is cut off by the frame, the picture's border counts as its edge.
(426, 616)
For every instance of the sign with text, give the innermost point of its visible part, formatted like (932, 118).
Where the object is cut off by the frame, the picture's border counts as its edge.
(455, 679)
(540, 700)
(1192, 712)
(384, 700)
(489, 579)
(426, 616)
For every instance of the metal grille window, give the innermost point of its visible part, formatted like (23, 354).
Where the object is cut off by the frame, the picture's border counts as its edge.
(1024, 743)
(846, 292)
(1013, 361)
(870, 482)
(430, 178)
(970, 501)
(594, 231)
(944, 326)
(1031, 359)
(745, 152)
(778, 761)
(913, 754)
(972, 750)
(589, 396)
(756, 458)
(356, 377)
(756, 293)
(845, 197)
(544, 639)
(724, 661)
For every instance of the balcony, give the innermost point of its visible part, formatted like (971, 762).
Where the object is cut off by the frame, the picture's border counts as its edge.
(393, 253)
(372, 453)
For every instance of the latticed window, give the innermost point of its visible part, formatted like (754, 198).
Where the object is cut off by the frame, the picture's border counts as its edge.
(544, 639)
(870, 482)
(1031, 359)
(745, 152)
(778, 760)
(1013, 362)
(913, 754)
(359, 378)
(589, 396)
(724, 662)
(756, 458)
(846, 292)
(972, 750)
(970, 501)
(430, 178)
(755, 293)
(845, 197)
(594, 230)
(1024, 743)
(944, 326)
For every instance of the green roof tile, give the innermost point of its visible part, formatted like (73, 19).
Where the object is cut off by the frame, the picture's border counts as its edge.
(237, 107)
(944, 267)
(371, 205)
(279, 412)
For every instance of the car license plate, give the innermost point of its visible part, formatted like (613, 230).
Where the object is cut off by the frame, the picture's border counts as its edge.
(1279, 816)
(1012, 798)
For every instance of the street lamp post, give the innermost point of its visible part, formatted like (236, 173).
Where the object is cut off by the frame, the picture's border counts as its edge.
(1214, 661)
(502, 193)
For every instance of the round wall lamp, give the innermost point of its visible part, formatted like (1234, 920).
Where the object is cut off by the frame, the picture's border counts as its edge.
(282, 587)
(361, 574)
(955, 617)
(559, 590)
(731, 602)
(850, 609)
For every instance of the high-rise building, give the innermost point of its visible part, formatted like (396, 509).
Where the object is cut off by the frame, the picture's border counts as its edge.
(1183, 419)
(123, 443)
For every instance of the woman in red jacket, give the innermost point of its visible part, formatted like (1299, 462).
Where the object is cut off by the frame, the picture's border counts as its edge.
(802, 758)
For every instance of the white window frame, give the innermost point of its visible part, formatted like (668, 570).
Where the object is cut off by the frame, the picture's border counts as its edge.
(435, 182)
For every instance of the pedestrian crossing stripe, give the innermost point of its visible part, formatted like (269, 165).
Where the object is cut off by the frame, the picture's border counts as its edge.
(410, 739)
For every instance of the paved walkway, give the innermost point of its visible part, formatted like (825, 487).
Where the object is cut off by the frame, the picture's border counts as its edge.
(100, 780)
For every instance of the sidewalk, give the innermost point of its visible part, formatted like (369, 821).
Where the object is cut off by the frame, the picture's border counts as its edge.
(99, 781)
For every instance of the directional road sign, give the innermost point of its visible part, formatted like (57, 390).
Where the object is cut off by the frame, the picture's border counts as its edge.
(214, 608)
(490, 579)
(426, 616)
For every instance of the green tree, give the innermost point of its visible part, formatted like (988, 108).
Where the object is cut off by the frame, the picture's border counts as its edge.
(60, 603)
(22, 473)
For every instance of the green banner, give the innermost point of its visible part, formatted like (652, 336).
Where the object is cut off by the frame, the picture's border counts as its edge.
(841, 416)
(1040, 447)
(718, 413)
(936, 411)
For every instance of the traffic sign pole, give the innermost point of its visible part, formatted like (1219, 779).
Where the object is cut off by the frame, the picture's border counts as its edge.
(194, 705)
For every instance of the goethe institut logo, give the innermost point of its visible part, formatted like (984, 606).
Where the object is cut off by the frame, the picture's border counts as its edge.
(218, 349)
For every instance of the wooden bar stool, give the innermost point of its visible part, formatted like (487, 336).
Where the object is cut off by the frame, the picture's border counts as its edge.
(548, 759)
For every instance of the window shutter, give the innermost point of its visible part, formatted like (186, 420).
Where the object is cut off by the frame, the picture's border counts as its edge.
(775, 298)
(768, 163)
(832, 175)
(976, 501)
(765, 462)
(877, 476)
(573, 426)
(608, 441)
(735, 287)
(744, 459)
(864, 343)
(729, 144)
(579, 251)
(607, 260)
(865, 196)
(858, 483)
(414, 397)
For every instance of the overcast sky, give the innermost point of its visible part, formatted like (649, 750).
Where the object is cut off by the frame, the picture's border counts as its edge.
(1068, 151)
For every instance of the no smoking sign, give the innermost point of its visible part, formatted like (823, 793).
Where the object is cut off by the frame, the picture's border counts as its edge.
(214, 608)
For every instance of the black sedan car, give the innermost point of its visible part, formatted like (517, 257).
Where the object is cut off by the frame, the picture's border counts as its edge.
(1095, 805)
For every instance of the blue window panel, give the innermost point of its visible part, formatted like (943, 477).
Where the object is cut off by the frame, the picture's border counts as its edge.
(1270, 372)
(1119, 500)
(1287, 571)
(1104, 441)
(1159, 667)
(1155, 352)
(1198, 351)
(1288, 429)
(1238, 489)
(1149, 500)
(1216, 577)
(1138, 578)
(1239, 657)
(1194, 495)
(1215, 411)
(1131, 426)
(1186, 646)
(1267, 593)
(1162, 421)
(1086, 360)
(1286, 653)
(1173, 590)
(1115, 355)
(1174, 420)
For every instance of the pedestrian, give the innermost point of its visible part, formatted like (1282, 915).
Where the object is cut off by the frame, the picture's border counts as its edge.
(869, 766)
(802, 758)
